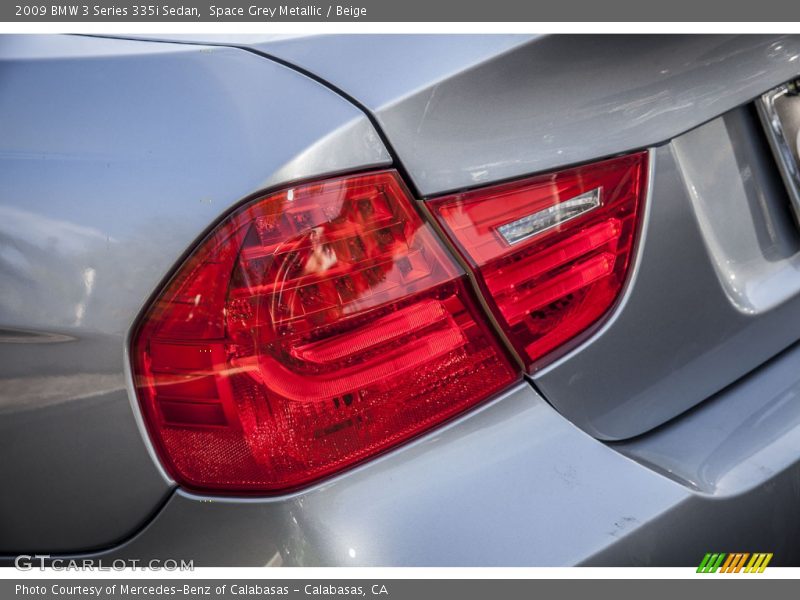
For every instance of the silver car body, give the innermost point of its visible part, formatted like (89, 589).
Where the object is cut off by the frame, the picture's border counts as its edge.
(670, 430)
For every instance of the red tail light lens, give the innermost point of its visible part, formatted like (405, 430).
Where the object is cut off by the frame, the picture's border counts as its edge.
(313, 328)
(551, 252)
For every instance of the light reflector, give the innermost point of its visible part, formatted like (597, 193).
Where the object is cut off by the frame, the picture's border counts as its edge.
(313, 328)
(551, 252)
(546, 218)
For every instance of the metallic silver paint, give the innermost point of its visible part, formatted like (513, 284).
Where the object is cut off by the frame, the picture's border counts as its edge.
(462, 111)
(678, 336)
(736, 442)
(739, 451)
(743, 212)
(115, 156)
(486, 108)
(511, 483)
(514, 484)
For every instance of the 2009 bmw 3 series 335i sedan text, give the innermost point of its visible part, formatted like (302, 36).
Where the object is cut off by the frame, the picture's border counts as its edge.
(400, 300)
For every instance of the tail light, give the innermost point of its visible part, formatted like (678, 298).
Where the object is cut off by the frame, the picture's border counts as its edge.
(551, 252)
(314, 327)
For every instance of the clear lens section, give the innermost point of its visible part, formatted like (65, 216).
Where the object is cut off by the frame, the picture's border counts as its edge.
(314, 328)
(531, 225)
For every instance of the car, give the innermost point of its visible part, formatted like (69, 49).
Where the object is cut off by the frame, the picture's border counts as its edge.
(400, 300)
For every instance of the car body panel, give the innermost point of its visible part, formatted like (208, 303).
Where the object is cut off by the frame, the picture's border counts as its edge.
(115, 156)
(680, 334)
(481, 490)
(106, 184)
(514, 484)
(463, 111)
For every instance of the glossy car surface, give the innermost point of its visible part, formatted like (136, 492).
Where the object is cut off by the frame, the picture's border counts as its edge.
(669, 430)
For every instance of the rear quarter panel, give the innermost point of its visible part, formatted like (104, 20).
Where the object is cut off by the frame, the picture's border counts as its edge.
(115, 156)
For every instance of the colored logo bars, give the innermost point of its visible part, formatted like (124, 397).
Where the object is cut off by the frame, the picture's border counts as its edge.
(735, 562)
